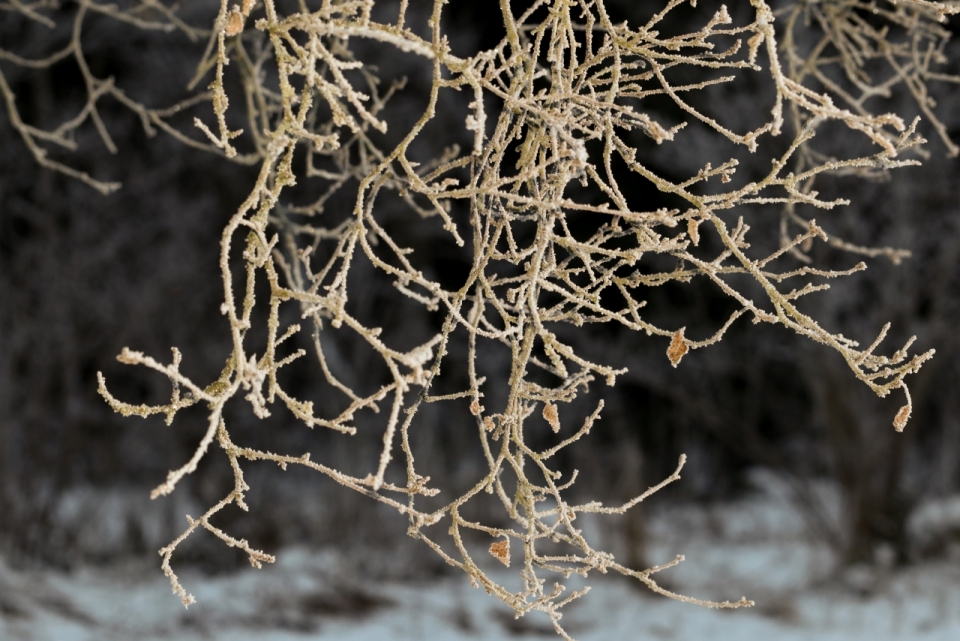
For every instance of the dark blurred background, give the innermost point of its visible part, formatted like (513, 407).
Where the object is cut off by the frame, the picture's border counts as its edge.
(83, 275)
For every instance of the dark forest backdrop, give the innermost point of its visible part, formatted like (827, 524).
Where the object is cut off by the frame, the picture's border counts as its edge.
(83, 275)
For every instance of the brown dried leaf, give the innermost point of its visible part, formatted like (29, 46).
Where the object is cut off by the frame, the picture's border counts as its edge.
(475, 407)
(234, 23)
(900, 420)
(552, 417)
(678, 347)
(501, 551)
(693, 230)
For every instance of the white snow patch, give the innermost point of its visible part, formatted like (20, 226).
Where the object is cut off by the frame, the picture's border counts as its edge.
(755, 548)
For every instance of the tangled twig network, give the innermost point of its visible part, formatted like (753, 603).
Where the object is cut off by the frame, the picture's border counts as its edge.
(560, 100)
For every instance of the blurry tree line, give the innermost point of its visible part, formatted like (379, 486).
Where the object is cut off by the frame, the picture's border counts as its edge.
(83, 275)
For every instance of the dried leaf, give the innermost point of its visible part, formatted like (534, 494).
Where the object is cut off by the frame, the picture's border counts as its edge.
(501, 551)
(234, 23)
(900, 420)
(678, 347)
(693, 230)
(552, 417)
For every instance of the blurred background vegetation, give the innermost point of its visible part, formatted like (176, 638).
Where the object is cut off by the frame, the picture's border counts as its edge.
(83, 275)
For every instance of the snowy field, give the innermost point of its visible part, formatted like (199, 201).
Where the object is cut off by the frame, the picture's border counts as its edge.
(754, 548)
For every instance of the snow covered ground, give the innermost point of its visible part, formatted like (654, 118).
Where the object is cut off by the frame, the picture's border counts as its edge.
(755, 548)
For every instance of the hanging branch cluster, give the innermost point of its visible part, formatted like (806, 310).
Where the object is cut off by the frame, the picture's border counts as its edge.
(560, 101)
(856, 51)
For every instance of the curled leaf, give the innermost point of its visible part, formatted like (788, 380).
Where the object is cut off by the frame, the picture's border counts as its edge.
(678, 347)
(234, 24)
(900, 420)
(551, 416)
